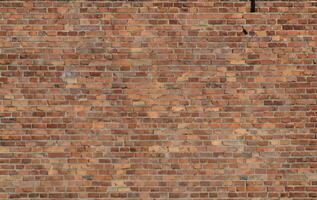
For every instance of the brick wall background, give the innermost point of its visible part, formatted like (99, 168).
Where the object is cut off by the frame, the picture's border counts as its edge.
(196, 99)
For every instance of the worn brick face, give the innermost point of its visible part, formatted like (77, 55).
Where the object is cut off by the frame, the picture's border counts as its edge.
(191, 99)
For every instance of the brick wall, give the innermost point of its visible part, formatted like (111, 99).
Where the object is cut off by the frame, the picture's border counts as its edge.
(196, 99)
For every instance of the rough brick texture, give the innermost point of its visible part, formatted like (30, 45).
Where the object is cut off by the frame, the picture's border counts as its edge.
(196, 99)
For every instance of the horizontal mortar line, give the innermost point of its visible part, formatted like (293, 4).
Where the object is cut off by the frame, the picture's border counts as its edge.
(153, 76)
(163, 163)
(180, 151)
(223, 40)
(215, 65)
(160, 141)
(149, 24)
(304, 11)
(150, 118)
(160, 175)
(239, 143)
(157, 142)
(155, 129)
(135, 109)
(142, 181)
(153, 118)
(212, 69)
(211, 63)
(213, 133)
(210, 97)
(162, 8)
(299, 112)
(165, 36)
(130, 156)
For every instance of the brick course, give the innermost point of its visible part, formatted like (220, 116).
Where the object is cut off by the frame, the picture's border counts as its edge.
(179, 99)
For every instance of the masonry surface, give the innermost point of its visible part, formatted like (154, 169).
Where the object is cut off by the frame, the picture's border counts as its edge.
(196, 99)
